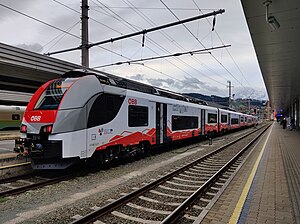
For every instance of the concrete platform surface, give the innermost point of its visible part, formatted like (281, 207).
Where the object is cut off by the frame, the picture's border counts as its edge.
(273, 195)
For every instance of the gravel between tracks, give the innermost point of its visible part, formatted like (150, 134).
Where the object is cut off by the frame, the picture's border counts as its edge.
(58, 203)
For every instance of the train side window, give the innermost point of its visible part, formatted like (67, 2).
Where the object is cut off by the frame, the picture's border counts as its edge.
(212, 118)
(223, 118)
(137, 116)
(15, 117)
(104, 109)
(242, 119)
(184, 122)
(234, 120)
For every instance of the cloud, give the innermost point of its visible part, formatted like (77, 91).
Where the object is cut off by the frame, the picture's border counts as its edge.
(200, 73)
(137, 77)
(31, 47)
(188, 84)
(253, 93)
(6, 13)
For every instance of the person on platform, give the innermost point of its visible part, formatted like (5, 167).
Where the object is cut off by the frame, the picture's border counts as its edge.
(284, 122)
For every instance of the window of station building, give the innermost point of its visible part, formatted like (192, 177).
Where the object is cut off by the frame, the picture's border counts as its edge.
(137, 116)
(104, 109)
(211, 118)
(184, 122)
(234, 120)
(223, 118)
(15, 117)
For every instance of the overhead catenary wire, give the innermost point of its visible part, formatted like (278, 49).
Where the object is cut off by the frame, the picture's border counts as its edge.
(200, 10)
(158, 8)
(201, 43)
(115, 30)
(146, 18)
(142, 32)
(164, 56)
(130, 25)
(168, 37)
(59, 29)
(119, 18)
(74, 36)
(59, 37)
(54, 27)
(38, 20)
(133, 27)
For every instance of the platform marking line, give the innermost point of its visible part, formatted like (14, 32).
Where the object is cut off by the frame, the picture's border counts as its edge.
(14, 165)
(239, 206)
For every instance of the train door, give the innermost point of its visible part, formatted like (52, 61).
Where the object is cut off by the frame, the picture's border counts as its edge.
(161, 123)
(202, 122)
(219, 115)
(229, 121)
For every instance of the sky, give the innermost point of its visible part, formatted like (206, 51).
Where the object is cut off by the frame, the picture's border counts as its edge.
(207, 72)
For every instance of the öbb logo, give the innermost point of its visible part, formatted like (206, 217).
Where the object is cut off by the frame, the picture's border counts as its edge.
(132, 101)
(35, 118)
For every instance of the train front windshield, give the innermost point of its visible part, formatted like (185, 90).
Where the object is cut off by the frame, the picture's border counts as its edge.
(51, 97)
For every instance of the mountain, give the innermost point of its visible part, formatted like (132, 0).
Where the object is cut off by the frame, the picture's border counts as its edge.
(239, 104)
(223, 101)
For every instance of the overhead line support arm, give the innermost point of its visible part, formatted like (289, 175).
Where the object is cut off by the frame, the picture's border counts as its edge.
(143, 32)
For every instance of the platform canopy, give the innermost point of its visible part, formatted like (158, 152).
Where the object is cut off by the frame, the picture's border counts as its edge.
(277, 46)
(25, 71)
(22, 72)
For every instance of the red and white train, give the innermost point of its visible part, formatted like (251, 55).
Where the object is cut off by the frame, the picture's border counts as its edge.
(98, 116)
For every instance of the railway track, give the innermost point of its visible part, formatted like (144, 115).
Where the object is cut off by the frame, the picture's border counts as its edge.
(20, 184)
(184, 195)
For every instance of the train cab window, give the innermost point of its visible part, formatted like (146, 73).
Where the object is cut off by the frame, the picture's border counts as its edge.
(137, 116)
(184, 122)
(234, 120)
(15, 117)
(104, 109)
(51, 97)
(223, 118)
(211, 118)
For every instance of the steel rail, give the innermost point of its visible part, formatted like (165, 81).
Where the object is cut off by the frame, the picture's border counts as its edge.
(22, 189)
(176, 214)
(93, 216)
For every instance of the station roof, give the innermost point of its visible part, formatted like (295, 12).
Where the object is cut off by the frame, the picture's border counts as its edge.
(277, 50)
(25, 71)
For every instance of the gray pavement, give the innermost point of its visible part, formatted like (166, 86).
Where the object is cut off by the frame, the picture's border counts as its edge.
(274, 195)
(7, 143)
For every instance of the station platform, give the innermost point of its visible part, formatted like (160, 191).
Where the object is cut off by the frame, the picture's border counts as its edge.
(7, 143)
(267, 188)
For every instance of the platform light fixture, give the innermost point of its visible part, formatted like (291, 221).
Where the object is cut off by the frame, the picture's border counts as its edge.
(271, 20)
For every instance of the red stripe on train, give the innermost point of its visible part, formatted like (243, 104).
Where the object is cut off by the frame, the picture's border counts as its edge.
(40, 116)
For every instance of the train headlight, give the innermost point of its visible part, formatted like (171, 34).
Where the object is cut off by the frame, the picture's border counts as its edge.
(23, 128)
(46, 129)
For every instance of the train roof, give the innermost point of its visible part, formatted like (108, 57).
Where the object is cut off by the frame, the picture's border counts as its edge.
(109, 79)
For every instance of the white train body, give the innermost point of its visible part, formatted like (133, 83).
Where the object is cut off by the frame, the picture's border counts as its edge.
(86, 115)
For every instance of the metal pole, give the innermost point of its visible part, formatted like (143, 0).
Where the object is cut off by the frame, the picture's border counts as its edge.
(229, 97)
(84, 34)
